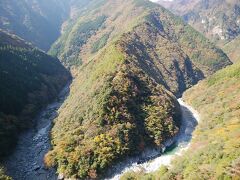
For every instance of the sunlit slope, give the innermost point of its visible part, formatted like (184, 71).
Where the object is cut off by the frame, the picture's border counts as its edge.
(129, 57)
(215, 149)
(215, 152)
(232, 49)
(216, 144)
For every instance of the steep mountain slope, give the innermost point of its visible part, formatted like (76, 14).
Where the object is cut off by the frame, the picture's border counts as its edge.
(127, 56)
(232, 49)
(29, 79)
(215, 152)
(36, 21)
(179, 47)
(217, 138)
(219, 20)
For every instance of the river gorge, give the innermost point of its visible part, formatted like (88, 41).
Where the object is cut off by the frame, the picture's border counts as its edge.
(26, 162)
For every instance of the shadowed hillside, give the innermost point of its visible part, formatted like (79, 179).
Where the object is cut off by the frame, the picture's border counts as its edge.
(29, 79)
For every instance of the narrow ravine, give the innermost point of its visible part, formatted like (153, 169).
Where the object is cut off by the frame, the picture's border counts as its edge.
(26, 162)
(174, 147)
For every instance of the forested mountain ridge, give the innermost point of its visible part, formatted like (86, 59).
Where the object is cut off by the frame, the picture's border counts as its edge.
(219, 20)
(86, 34)
(36, 21)
(214, 152)
(130, 57)
(29, 80)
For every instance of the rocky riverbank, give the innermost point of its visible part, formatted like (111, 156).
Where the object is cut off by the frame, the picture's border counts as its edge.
(26, 162)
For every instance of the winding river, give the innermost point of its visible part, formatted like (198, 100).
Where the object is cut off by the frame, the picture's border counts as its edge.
(174, 147)
(26, 162)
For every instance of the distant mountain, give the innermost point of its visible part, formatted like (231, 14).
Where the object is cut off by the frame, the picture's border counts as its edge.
(130, 57)
(36, 21)
(87, 32)
(219, 20)
(29, 79)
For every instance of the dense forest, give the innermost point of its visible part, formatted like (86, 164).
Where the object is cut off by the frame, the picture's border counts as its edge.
(125, 77)
(214, 152)
(131, 60)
